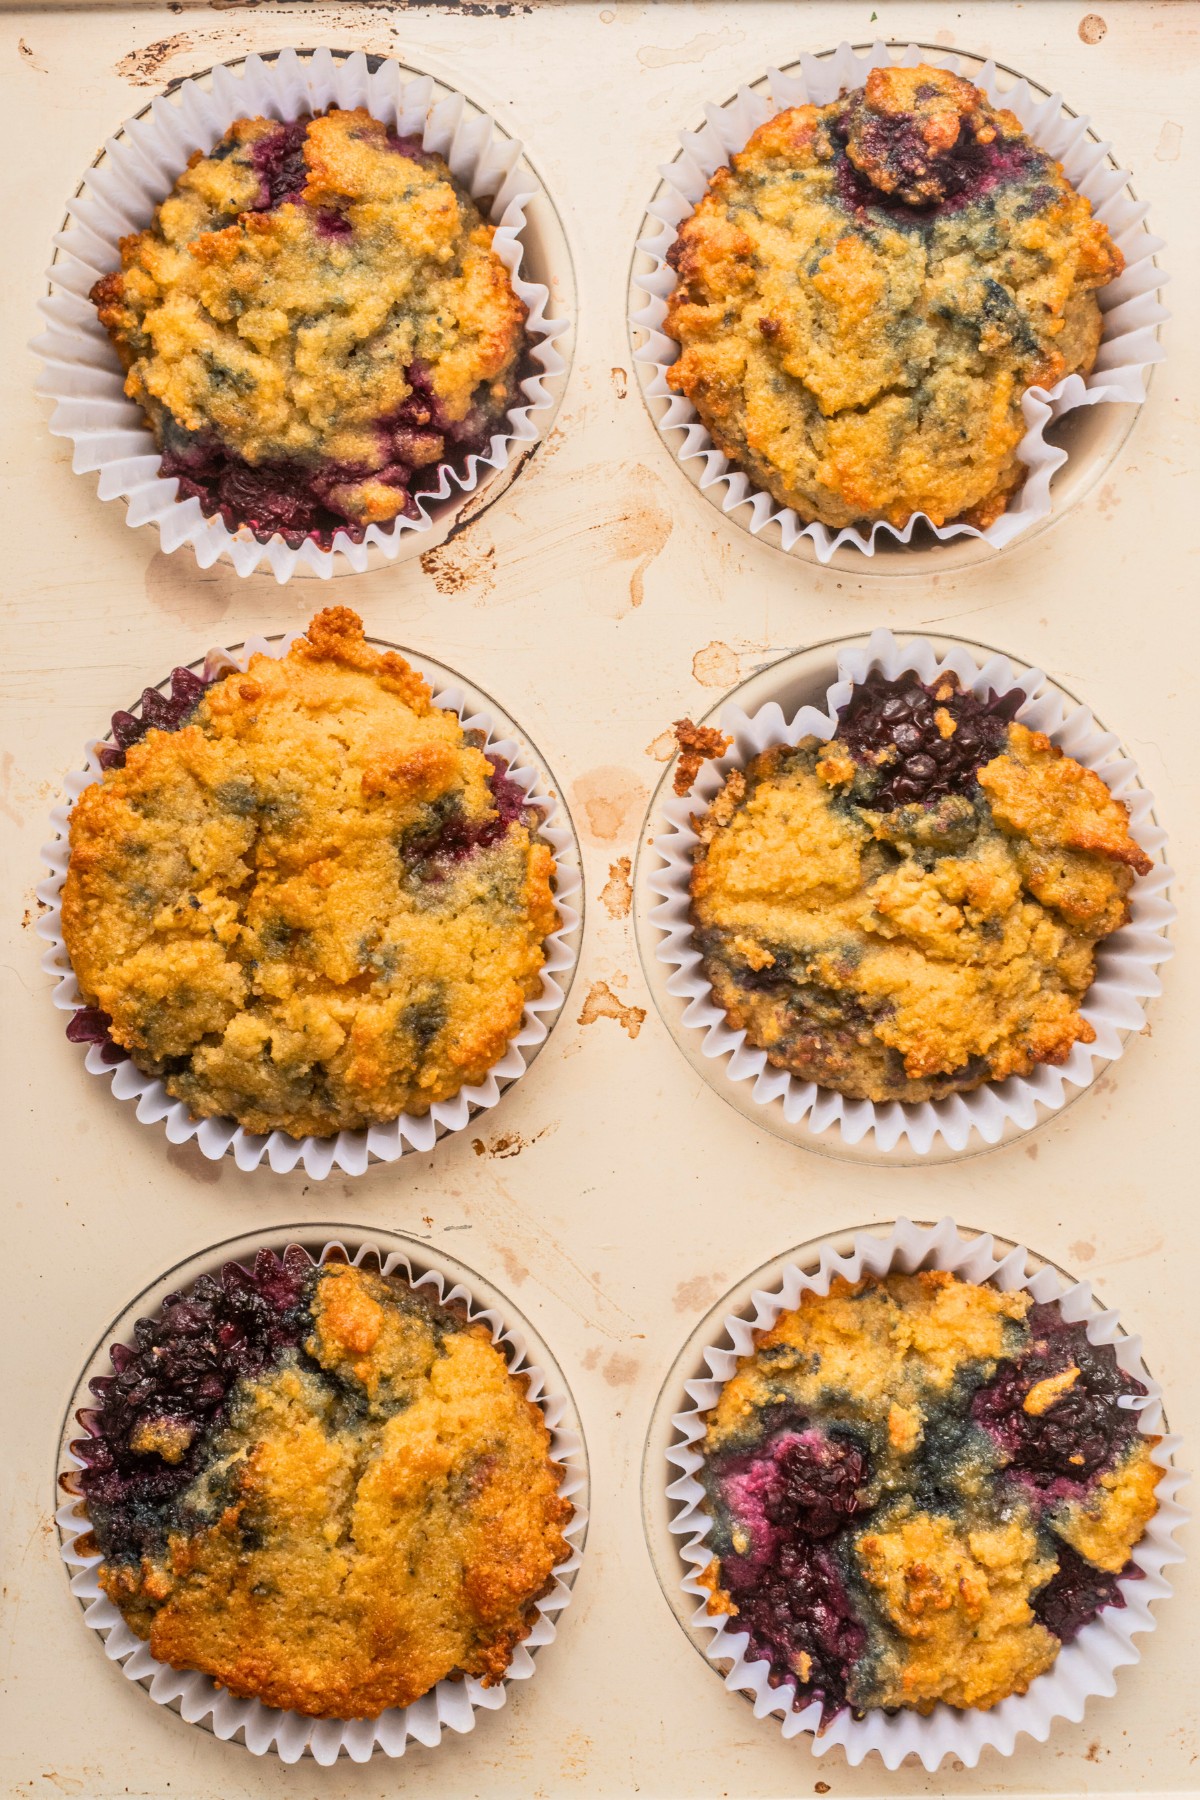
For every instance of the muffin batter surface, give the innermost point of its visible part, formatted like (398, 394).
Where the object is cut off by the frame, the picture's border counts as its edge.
(322, 1488)
(317, 904)
(314, 320)
(913, 908)
(868, 290)
(919, 1488)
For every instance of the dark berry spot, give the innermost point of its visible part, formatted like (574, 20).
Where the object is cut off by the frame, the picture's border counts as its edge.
(1077, 1592)
(901, 716)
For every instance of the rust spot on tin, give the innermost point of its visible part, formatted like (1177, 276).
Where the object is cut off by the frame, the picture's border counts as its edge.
(621, 1371)
(141, 67)
(608, 802)
(617, 892)
(1092, 28)
(602, 1003)
(455, 567)
(716, 665)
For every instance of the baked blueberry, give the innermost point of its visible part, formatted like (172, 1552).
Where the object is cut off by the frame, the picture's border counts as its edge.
(918, 1488)
(314, 323)
(321, 1487)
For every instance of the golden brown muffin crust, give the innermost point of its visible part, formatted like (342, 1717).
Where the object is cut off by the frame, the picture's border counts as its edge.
(904, 954)
(886, 1526)
(315, 906)
(868, 290)
(377, 1514)
(278, 305)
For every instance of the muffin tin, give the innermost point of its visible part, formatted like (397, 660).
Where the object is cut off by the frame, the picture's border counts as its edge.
(613, 1197)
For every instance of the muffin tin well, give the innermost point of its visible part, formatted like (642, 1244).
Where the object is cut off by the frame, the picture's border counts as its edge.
(762, 708)
(136, 169)
(674, 1521)
(351, 1152)
(1069, 442)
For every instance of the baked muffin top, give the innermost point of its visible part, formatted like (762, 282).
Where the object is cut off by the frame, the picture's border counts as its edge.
(314, 320)
(912, 908)
(317, 903)
(321, 1487)
(868, 289)
(919, 1489)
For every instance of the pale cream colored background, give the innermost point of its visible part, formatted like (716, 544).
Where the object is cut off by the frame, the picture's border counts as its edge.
(612, 1193)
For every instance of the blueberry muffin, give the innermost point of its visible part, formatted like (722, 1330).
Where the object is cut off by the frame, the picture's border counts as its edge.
(311, 902)
(914, 907)
(868, 290)
(919, 1490)
(314, 321)
(320, 1487)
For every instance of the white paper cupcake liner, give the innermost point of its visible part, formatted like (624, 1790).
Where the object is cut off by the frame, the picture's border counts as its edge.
(1084, 1669)
(450, 1705)
(349, 1151)
(1126, 962)
(82, 373)
(1131, 306)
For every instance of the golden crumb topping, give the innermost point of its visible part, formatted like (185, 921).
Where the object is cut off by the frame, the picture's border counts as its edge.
(868, 289)
(316, 905)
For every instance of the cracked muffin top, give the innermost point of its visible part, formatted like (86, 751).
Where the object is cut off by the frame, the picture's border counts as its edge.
(321, 1487)
(308, 899)
(314, 321)
(919, 1490)
(912, 908)
(867, 291)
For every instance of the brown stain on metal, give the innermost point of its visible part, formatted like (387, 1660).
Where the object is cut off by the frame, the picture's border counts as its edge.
(699, 1291)
(1170, 142)
(663, 747)
(514, 1268)
(453, 568)
(644, 529)
(621, 1371)
(591, 1357)
(607, 803)
(194, 596)
(620, 381)
(655, 56)
(1031, 1151)
(141, 67)
(508, 1143)
(617, 892)
(1092, 28)
(717, 665)
(27, 54)
(602, 1003)
(1083, 1250)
